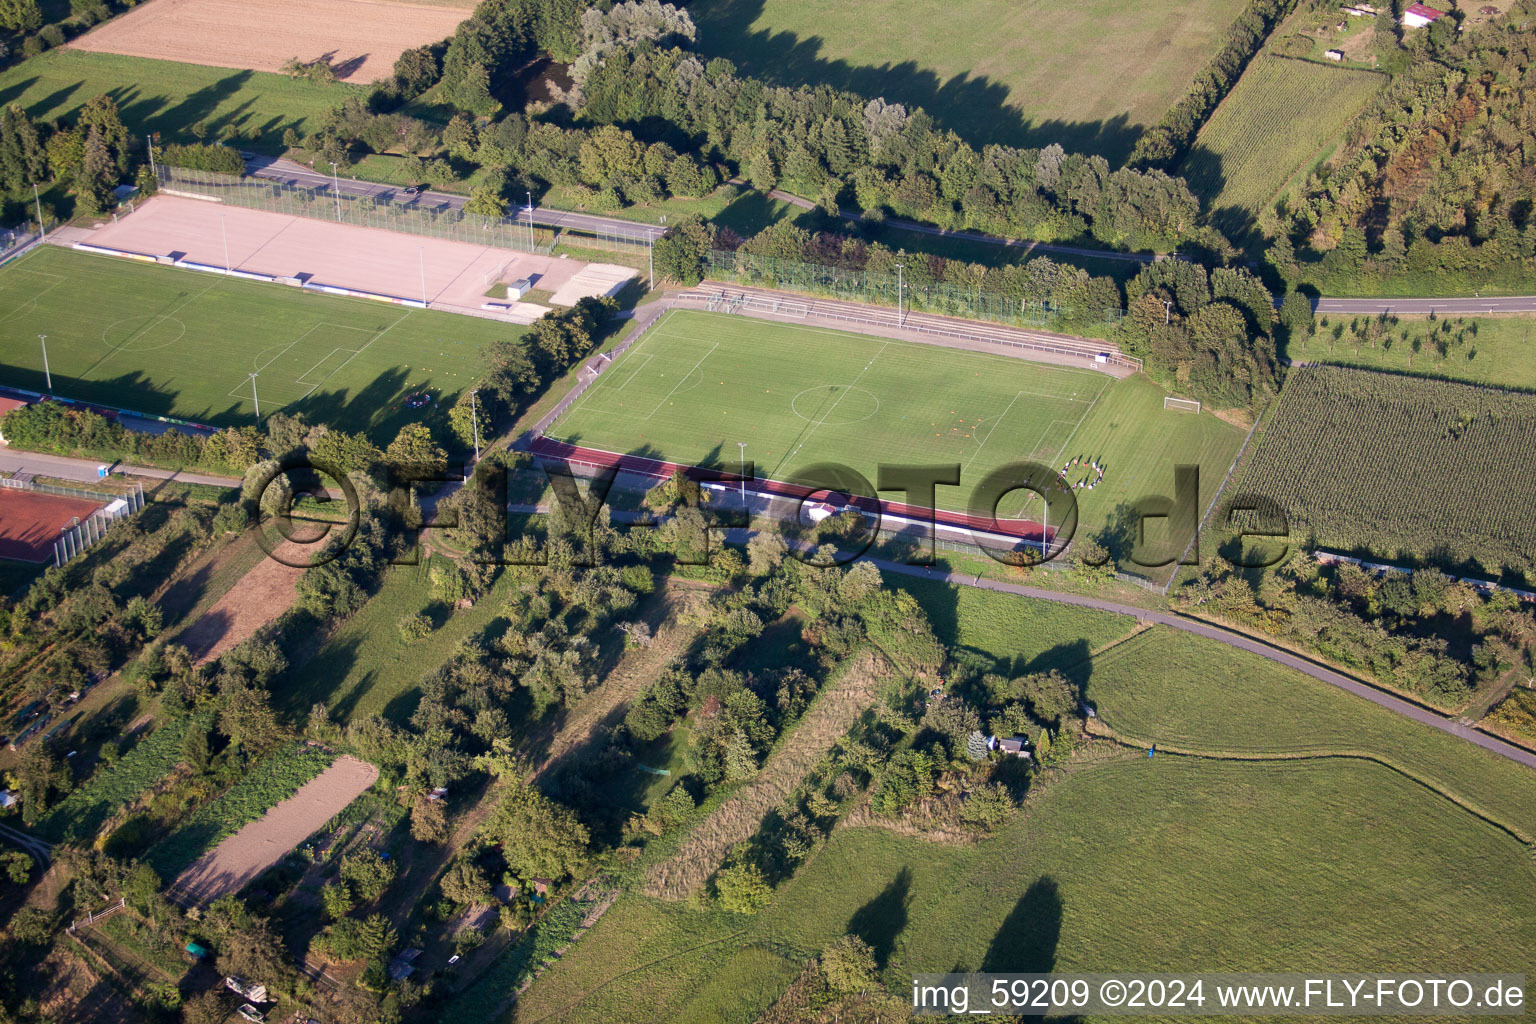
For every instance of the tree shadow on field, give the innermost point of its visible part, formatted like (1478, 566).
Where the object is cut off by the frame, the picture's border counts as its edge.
(977, 109)
(1026, 941)
(377, 410)
(1071, 659)
(200, 104)
(883, 918)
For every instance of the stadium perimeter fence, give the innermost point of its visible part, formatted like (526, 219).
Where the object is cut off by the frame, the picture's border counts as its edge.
(325, 203)
(940, 297)
(78, 537)
(723, 302)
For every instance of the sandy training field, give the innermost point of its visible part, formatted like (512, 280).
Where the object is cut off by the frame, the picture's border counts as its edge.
(361, 39)
(30, 522)
(256, 847)
(373, 260)
(262, 595)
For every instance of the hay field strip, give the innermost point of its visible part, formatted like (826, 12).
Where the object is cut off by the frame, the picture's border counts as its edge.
(361, 39)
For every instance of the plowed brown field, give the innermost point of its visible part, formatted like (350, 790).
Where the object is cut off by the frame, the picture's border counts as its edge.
(360, 38)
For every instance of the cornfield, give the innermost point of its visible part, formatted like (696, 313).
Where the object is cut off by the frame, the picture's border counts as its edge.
(1279, 117)
(1403, 467)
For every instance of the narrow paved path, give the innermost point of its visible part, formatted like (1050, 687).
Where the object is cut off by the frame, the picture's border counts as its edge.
(38, 849)
(1449, 306)
(64, 467)
(1240, 641)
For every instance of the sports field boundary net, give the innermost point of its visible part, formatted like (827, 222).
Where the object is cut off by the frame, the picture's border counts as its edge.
(882, 289)
(1098, 355)
(323, 202)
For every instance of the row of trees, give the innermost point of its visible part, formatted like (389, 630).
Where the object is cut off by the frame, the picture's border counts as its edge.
(90, 156)
(1423, 633)
(884, 158)
(657, 120)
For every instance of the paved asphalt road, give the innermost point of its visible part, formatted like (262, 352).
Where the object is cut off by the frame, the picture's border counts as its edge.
(787, 509)
(30, 844)
(277, 169)
(1241, 642)
(84, 470)
(1440, 307)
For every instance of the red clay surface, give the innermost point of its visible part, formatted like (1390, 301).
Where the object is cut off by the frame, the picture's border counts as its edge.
(30, 522)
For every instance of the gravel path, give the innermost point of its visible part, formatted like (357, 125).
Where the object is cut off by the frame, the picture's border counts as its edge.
(232, 864)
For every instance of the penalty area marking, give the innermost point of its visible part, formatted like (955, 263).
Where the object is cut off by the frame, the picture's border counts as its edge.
(30, 306)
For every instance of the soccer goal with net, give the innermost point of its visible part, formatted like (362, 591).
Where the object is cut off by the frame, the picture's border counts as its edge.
(495, 274)
(1181, 404)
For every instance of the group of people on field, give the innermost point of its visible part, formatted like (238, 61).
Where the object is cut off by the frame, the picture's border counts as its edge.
(1091, 481)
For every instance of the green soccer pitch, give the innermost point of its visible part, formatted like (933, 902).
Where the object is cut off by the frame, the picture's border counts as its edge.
(171, 342)
(699, 383)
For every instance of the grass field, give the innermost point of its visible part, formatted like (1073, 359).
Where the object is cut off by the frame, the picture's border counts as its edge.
(1171, 863)
(1144, 689)
(1402, 467)
(266, 784)
(698, 383)
(1494, 350)
(1278, 118)
(164, 96)
(1153, 865)
(365, 668)
(79, 815)
(179, 343)
(1026, 74)
(1025, 635)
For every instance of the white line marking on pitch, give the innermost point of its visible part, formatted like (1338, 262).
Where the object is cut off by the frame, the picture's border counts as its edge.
(817, 425)
(680, 380)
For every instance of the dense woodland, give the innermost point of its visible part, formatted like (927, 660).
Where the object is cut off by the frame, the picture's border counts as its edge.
(1433, 188)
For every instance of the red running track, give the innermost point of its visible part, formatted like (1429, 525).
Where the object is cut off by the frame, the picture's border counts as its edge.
(1022, 529)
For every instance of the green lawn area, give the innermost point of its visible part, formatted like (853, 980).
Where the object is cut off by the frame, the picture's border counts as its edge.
(698, 383)
(169, 97)
(1496, 350)
(1030, 636)
(1161, 865)
(1243, 704)
(1086, 75)
(365, 668)
(172, 342)
(1164, 864)
(1275, 123)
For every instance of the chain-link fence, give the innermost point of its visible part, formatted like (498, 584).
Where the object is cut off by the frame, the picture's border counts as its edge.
(939, 297)
(432, 219)
(17, 240)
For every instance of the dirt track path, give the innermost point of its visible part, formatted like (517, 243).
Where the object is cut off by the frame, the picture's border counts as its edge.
(256, 847)
(637, 667)
(260, 596)
(831, 715)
